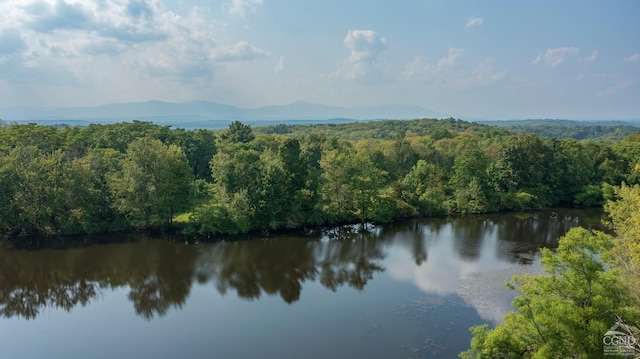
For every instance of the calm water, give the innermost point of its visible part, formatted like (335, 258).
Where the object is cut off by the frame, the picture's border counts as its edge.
(408, 290)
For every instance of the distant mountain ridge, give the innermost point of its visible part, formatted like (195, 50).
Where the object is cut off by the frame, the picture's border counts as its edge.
(197, 111)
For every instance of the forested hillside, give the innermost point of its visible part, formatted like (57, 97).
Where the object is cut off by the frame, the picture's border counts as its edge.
(579, 130)
(68, 180)
(387, 129)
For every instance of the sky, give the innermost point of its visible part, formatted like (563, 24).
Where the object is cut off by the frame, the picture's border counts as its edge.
(576, 59)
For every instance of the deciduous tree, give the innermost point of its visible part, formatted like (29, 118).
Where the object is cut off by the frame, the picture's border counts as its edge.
(155, 180)
(565, 313)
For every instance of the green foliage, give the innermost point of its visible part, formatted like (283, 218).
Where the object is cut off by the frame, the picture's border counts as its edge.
(470, 183)
(45, 193)
(521, 164)
(351, 185)
(44, 138)
(199, 146)
(570, 169)
(629, 150)
(211, 219)
(560, 129)
(469, 199)
(296, 176)
(241, 211)
(155, 180)
(388, 129)
(337, 197)
(564, 313)
(422, 190)
(624, 213)
(589, 196)
(384, 209)
(238, 132)
(272, 184)
(118, 136)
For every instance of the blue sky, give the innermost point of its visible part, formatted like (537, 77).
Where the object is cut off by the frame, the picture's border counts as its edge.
(507, 59)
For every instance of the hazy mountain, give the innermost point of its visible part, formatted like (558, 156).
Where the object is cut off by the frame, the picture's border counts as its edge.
(204, 113)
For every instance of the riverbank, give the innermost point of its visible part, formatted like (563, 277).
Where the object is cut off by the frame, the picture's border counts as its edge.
(181, 232)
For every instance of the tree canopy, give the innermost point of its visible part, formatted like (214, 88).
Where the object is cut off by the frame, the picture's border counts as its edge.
(143, 174)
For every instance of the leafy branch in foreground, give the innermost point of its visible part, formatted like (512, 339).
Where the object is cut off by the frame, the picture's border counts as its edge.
(565, 313)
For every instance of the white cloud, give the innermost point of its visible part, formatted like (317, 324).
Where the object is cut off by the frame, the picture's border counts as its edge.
(445, 72)
(135, 21)
(242, 7)
(280, 65)
(612, 90)
(592, 57)
(365, 45)
(451, 58)
(555, 57)
(475, 21)
(483, 75)
(138, 37)
(633, 58)
(241, 51)
(60, 15)
(448, 72)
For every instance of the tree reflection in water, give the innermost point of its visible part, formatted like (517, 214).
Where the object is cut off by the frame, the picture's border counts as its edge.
(160, 273)
(280, 265)
(349, 257)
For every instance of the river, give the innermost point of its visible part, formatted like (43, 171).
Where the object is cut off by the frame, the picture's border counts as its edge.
(403, 290)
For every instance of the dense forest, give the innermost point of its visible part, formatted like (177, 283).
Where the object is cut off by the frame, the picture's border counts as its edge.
(65, 180)
(388, 129)
(579, 130)
(100, 178)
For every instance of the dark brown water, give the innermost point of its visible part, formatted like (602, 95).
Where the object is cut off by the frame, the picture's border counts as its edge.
(404, 290)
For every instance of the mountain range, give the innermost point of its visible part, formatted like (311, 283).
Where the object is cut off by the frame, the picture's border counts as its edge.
(204, 114)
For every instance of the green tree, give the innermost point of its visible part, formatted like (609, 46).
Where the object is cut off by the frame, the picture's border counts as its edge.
(199, 146)
(569, 170)
(607, 166)
(272, 198)
(236, 170)
(155, 180)
(297, 199)
(565, 313)
(624, 213)
(119, 135)
(422, 188)
(238, 132)
(253, 186)
(45, 138)
(46, 193)
(523, 168)
(521, 163)
(629, 149)
(337, 197)
(470, 183)
(351, 184)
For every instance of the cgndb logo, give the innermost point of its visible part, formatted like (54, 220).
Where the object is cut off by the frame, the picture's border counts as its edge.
(620, 340)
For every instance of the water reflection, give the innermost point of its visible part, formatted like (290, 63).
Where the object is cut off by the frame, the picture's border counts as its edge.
(159, 274)
(471, 257)
(463, 256)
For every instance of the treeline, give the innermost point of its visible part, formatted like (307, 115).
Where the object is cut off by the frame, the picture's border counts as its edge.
(99, 178)
(384, 129)
(390, 129)
(584, 132)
